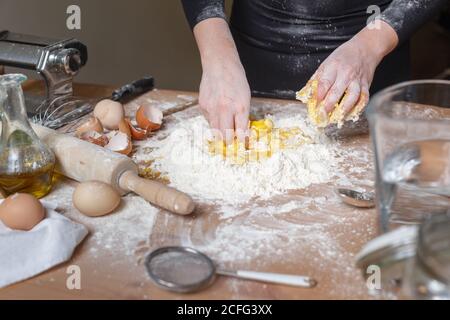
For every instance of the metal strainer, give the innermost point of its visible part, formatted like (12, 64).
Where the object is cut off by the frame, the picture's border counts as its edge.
(182, 269)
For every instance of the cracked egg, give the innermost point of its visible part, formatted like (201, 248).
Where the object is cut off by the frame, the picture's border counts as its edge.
(264, 141)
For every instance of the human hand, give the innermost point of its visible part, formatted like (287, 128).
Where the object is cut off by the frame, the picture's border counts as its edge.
(344, 78)
(224, 91)
(225, 99)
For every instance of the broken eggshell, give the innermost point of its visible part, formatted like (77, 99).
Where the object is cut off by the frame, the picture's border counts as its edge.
(96, 138)
(136, 132)
(124, 127)
(149, 118)
(119, 142)
(92, 124)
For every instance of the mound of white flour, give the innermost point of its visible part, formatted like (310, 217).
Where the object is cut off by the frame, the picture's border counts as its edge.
(184, 158)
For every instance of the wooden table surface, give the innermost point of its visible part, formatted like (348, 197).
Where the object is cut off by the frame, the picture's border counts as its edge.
(110, 274)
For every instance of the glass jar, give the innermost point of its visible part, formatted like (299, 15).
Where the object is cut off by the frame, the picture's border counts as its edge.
(428, 275)
(383, 260)
(409, 125)
(410, 262)
(26, 164)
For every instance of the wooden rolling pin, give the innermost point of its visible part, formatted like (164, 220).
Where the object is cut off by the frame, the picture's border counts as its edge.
(84, 161)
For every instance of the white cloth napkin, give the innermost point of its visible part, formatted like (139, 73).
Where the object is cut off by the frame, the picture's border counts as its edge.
(26, 254)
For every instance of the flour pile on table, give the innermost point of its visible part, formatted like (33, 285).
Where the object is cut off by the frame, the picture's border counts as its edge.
(184, 158)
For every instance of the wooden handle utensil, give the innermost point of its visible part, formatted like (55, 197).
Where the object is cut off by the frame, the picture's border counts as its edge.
(84, 161)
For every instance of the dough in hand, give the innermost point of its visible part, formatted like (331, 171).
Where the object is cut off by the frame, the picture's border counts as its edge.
(308, 95)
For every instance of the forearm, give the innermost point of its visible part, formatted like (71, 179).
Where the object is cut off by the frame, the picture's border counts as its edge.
(215, 43)
(224, 96)
(379, 41)
(406, 16)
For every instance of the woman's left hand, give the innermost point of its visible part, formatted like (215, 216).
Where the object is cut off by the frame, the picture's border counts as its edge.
(351, 67)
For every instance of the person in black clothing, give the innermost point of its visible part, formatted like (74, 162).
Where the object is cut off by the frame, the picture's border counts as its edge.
(275, 46)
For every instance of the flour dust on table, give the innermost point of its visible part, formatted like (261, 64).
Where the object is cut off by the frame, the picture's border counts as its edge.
(119, 232)
(183, 157)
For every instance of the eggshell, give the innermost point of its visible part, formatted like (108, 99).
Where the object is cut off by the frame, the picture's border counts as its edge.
(110, 113)
(149, 118)
(137, 133)
(124, 127)
(120, 142)
(92, 124)
(95, 198)
(95, 138)
(21, 211)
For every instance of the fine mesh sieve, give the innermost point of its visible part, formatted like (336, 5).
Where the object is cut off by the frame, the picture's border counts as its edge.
(182, 269)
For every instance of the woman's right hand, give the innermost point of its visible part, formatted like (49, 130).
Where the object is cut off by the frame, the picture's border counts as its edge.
(225, 99)
(224, 90)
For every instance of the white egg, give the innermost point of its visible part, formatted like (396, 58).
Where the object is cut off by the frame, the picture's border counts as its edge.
(110, 113)
(94, 198)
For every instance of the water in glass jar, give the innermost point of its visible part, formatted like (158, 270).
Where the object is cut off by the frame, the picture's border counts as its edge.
(415, 181)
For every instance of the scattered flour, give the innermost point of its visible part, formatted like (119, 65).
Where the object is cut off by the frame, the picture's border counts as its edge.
(125, 229)
(303, 236)
(250, 218)
(183, 156)
(119, 232)
(313, 233)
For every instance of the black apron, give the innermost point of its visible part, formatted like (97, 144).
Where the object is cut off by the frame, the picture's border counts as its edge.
(282, 46)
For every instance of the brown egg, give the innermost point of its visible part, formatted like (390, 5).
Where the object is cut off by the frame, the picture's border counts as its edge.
(95, 198)
(21, 211)
(110, 113)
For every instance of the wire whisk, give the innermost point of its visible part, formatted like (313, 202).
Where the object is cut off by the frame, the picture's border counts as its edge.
(62, 111)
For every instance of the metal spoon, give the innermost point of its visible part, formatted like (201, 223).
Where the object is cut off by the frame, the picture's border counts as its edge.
(356, 198)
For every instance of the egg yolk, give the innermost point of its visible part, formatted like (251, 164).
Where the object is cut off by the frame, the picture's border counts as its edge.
(264, 141)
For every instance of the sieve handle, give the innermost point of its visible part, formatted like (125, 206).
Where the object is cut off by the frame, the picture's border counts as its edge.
(277, 278)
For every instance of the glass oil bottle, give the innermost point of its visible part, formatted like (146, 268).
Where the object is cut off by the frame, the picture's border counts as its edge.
(26, 164)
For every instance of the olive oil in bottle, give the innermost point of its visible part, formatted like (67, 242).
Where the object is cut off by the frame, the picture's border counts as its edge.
(26, 164)
(37, 183)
